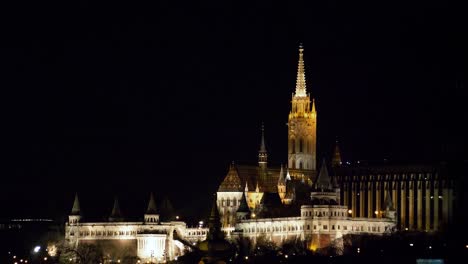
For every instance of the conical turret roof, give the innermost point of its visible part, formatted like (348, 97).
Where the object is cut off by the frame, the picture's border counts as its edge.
(76, 206)
(388, 200)
(214, 222)
(232, 181)
(243, 207)
(116, 214)
(152, 209)
(323, 181)
(281, 178)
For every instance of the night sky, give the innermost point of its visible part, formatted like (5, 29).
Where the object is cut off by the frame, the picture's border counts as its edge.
(127, 98)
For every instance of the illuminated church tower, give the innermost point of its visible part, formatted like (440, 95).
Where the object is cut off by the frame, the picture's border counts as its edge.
(302, 124)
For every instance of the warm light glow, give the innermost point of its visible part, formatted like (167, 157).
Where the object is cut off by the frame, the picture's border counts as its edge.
(350, 211)
(466, 246)
(177, 217)
(45, 258)
(376, 212)
(52, 250)
(246, 257)
(285, 256)
(411, 244)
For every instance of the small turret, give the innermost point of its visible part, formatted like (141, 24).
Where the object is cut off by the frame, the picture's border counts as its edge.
(75, 214)
(281, 184)
(151, 215)
(116, 214)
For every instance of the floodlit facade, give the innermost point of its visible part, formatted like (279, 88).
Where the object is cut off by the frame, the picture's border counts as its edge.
(284, 203)
(150, 240)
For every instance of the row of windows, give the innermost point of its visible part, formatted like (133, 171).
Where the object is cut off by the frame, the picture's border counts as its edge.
(232, 202)
(273, 229)
(197, 233)
(302, 148)
(318, 213)
(324, 227)
(104, 233)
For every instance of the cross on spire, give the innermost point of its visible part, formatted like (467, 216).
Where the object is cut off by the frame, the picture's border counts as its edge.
(300, 81)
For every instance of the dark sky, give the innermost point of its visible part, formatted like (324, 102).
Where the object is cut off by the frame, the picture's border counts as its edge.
(126, 98)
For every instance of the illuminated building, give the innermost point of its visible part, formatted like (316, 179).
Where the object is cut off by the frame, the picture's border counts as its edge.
(149, 240)
(367, 199)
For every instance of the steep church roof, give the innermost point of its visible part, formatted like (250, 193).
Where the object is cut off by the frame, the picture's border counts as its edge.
(232, 181)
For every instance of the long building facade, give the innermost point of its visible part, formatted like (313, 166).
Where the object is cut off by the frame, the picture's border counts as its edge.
(150, 240)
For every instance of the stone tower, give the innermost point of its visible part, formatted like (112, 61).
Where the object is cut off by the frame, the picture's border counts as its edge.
(151, 215)
(302, 124)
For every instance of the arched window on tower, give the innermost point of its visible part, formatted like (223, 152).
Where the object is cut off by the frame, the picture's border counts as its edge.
(293, 146)
(300, 165)
(301, 145)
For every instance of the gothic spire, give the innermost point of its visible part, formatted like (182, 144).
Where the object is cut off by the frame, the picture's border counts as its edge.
(323, 181)
(151, 205)
(281, 179)
(300, 81)
(214, 223)
(262, 153)
(336, 161)
(76, 206)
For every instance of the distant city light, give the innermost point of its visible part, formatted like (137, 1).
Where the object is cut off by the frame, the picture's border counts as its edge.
(411, 244)
(37, 248)
(285, 256)
(177, 217)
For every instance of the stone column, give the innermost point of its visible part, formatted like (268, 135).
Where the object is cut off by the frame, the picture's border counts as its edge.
(411, 205)
(394, 194)
(419, 205)
(370, 200)
(403, 205)
(362, 200)
(378, 198)
(445, 203)
(428, 205)
(436, 205)
(354, 187)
